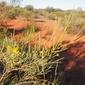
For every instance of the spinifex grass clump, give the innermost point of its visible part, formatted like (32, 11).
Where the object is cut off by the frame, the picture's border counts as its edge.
(76, 23)
(24, 64)
(3, 33)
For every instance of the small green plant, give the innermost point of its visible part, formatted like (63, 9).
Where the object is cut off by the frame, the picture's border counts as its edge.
(33, 61)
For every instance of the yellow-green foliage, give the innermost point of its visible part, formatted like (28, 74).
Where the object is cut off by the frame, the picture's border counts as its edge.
(34, 61)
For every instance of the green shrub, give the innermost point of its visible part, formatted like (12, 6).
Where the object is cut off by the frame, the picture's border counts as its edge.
(33, 62)
(12, 13)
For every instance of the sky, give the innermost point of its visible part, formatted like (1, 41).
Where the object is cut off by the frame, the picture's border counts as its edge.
(62, 4)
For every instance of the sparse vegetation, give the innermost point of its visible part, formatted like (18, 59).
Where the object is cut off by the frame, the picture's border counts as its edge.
(24, 64)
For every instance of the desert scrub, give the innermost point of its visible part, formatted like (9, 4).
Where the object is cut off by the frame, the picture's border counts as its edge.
(24, 64)
(27, 33)
(3, 33)
(76, 24)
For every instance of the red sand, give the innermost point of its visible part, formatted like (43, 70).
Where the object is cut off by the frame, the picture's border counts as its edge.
(74, 55)
(48, 34)
(17, 24)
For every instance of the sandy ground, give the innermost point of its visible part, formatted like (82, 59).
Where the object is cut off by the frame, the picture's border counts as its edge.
(48, 33)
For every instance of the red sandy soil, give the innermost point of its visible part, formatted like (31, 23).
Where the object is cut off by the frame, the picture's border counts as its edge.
(17, 24)
(48, 34)
(75, 53)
